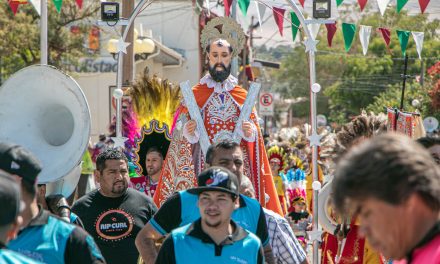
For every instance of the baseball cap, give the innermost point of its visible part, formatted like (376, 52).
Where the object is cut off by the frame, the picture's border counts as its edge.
(17, 160)
(216, 179)
(9, 199)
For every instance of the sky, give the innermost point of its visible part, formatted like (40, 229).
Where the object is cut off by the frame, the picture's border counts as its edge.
(270, 36)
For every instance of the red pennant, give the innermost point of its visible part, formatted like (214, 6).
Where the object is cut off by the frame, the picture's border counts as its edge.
(331, 30)
(386, 34)
(302, 2)
(79, 3)
(13, 4)
(362, 4)
(278, 14)
(423, 4)
(228, 4)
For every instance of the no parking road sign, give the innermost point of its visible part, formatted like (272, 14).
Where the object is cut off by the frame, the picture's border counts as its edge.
(266, 104)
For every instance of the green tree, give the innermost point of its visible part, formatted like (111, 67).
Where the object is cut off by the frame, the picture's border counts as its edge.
(20, 35)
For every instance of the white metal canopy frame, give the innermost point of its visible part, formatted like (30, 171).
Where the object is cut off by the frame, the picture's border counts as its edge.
(310, 44)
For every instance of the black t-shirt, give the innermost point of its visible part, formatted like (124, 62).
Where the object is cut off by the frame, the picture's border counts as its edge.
(115, 222)
(169, 216)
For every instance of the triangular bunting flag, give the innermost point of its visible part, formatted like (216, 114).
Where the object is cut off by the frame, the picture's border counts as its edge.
(348, 31)
(382, 5)
(386, 35)
(403, 39)
(400, 4)
(14, 6)
(364, 37)
(79, 3)
(418, 39)
(295, 24)
(278, 15)
(423, 4)
(228, 4)
(37, 6)
(331, 30)
(339, 2)
(244, 5)
(58, 4)
(314, 29)
(302, 2)
(362, 4)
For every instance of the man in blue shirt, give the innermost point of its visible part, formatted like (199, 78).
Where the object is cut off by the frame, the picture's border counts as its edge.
(43, 237)
(10, 220)
(215, 237)
(181, 208)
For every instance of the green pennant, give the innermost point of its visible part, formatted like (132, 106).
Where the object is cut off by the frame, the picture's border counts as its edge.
(58, 4)
(403, 39)
(339, 2)
(244, 4)
(400, 4)
(295, 24)
(348, 30)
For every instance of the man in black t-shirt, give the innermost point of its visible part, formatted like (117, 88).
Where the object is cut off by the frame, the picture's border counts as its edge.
(114, 213)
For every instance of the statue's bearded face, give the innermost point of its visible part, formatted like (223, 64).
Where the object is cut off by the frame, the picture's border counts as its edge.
(219, 56)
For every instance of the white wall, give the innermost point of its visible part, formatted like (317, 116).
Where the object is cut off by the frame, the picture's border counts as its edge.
(176, 25)
(96, 90)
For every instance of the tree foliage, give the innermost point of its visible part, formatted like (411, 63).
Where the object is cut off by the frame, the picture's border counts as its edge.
(20, 34)
(351, 81)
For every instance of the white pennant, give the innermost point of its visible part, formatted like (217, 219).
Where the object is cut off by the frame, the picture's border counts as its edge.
(364, 36)
(261, 9)
(314, 29)
(418, 38)
(37, 5)
(334, 10)
(208, 7)
(382, 5)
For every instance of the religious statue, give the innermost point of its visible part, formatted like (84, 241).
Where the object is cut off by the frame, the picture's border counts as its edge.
(213, 110)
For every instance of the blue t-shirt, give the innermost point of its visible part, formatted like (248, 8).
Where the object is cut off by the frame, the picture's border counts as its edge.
(249, 215)
(190, 244)
(12, 257)
(51, 240)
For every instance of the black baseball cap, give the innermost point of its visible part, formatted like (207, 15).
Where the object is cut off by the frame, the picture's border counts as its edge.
(9, 199)
(216, 179)
(17, 160)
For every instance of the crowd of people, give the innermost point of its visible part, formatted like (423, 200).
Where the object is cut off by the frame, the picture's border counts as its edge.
(223, 194)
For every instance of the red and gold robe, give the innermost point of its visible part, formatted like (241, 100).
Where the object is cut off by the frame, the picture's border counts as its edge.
(184, 161)
(356, 250)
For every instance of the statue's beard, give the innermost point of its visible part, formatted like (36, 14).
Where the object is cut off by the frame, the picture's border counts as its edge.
(219, 76)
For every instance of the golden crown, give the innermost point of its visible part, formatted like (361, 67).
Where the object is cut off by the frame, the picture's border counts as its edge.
(229, 28)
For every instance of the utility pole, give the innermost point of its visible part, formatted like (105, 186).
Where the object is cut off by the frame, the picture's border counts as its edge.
(234, 66)
(43, 32)
(128, 62)
(404, 77)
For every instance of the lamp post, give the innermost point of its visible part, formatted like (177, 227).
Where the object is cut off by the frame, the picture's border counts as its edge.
(143, 47)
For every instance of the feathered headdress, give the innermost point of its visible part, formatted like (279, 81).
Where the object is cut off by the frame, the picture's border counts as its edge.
(155, 102)
(277, 153)
(154, 99)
